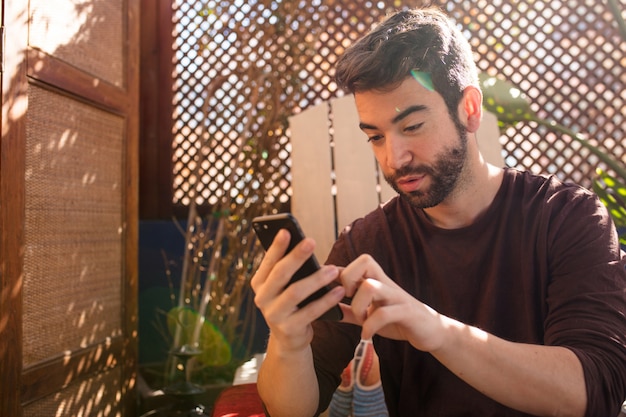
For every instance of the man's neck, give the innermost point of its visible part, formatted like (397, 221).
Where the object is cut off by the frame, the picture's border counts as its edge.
(469, 200)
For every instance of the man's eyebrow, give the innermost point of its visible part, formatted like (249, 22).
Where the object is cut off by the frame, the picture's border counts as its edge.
(365, 126)
(403, 114)
(407, 111)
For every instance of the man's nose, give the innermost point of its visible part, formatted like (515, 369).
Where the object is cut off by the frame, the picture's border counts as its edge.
(398, 153)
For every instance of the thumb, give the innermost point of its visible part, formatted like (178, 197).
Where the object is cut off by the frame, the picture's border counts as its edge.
(348, 315)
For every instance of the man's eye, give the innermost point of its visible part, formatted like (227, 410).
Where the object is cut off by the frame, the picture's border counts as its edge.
(413, 128)
(374, 138)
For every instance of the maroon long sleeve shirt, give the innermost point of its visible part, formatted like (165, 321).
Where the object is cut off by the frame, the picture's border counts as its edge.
(542, 265)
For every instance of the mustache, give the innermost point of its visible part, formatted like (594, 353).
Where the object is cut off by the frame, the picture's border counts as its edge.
(410, 170)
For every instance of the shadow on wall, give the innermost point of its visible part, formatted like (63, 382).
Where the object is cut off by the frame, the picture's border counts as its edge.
(66, 294)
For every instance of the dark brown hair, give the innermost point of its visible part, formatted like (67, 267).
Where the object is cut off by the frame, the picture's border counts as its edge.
(413, 40)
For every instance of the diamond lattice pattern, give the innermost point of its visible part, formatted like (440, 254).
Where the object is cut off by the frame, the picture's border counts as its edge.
(244, 66)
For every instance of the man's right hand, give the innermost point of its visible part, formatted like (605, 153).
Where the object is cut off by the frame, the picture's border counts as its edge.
(287, 382)
(290, 326)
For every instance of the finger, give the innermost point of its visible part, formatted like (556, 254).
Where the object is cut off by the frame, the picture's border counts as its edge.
(286, 303)
(278, 267)
(285, 268)
(348, 315)
(379, 319)
(358, 270)
(369, 292)
(273, 254)
(269, 272)
(302, 289)
(315, 309)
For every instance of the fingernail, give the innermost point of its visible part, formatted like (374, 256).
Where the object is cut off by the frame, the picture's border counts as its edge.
(330, 270)
(307, 245)
(338, 292)
(282, 234)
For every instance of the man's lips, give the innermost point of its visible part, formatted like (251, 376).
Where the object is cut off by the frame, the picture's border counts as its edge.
(410, 183)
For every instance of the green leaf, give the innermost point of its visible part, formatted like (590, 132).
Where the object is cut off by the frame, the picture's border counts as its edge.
(510, 105)
(612, 193)
(505, 100)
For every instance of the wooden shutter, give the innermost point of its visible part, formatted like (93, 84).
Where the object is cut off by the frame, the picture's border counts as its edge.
(68, 208)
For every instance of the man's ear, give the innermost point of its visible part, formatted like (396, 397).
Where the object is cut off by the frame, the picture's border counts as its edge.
(472, 108)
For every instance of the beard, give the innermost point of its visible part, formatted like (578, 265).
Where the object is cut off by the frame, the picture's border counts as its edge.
(444, 174)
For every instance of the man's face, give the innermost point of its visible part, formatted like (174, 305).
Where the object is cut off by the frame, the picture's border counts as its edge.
(419, 148)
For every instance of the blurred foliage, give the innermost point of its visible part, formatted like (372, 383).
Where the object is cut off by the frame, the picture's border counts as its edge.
(511, 106)
(612, 193)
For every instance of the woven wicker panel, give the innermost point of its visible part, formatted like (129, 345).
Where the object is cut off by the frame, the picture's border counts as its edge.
(73, 238)
(567, 56)
(86, 34)
(94, 397)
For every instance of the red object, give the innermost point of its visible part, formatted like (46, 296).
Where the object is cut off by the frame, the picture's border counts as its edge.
(239, 401)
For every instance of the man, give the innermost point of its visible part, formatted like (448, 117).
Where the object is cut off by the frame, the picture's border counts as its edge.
(487, 291)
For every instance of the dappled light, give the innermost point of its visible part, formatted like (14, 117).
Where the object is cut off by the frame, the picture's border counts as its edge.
(66, 282)
(70, 126)
(97, 397)
(84, 33)
(58, 22)
(73, 218)
(14, 101)
(567, 59)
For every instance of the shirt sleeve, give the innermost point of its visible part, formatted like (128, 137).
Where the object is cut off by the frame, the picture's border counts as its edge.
(586, 296)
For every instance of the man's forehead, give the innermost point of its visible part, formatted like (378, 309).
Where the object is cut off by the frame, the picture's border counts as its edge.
(394, 101)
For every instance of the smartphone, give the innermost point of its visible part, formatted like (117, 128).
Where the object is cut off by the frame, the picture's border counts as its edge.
(266, 228)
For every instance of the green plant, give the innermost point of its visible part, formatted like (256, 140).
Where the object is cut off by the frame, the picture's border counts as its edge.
(612, 192)
(511, 106)
(214, 312)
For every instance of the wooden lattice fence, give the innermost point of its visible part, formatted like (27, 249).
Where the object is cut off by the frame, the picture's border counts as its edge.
(566, 56)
